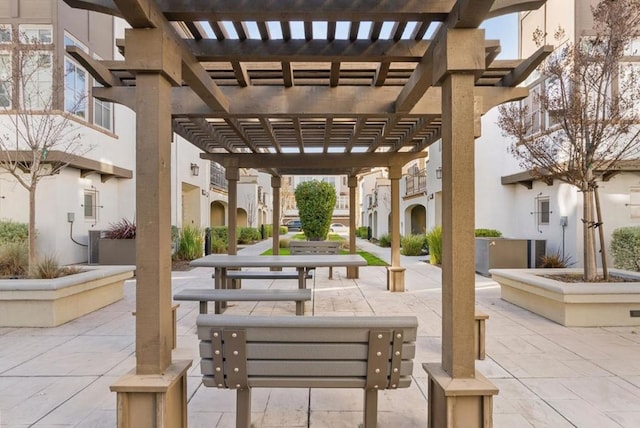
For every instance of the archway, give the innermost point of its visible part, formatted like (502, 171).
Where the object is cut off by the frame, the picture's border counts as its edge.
(217, 216)
(241, 217)
(416, 219)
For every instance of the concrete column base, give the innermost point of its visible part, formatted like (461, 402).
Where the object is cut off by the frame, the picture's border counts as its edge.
(353, 272)
(154, 401)
(458, 402)
(395, 278)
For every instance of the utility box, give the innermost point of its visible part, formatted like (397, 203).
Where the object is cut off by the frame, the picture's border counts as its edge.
(94, 237)
(507, 253)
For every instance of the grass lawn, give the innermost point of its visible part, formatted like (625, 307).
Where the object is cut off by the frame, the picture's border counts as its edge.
(370, 258)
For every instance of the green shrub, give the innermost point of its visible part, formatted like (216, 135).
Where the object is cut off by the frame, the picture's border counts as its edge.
(11, 231)
(14, 259)
(191, 243)
(625, 248)
(385, 240)
(268, 230)
(412, 245)
(315, 200)
(219, 232)
(434, 239)
(488, 233)
(247, 235)
(362, 232)
(284, 230)
(218, 245)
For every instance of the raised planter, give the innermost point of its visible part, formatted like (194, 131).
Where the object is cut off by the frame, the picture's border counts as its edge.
(116, 251)
(576, 304)
(51, 302)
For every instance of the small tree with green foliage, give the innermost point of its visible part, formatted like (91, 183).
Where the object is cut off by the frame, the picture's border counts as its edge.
(315, 200)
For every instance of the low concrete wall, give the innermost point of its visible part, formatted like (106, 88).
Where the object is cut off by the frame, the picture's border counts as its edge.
(577, 304)
(51, 302)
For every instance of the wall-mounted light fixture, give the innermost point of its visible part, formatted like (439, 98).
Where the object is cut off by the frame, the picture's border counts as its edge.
(195, 169)
(439, 172)
(205, 193)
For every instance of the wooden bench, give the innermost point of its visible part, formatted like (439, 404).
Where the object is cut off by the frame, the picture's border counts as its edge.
(314, 247)
(243, 295)
(244, 352)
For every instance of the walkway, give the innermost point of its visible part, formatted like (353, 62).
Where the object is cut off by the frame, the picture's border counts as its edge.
(548, 375)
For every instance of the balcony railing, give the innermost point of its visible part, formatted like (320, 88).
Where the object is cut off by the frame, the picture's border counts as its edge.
(416, 183)
(217, 175)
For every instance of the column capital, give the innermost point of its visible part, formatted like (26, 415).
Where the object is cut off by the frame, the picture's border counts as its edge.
(461, 50)
(352, 181)
(232, 173)
(151, 50)
(395, 172)
(276, 182)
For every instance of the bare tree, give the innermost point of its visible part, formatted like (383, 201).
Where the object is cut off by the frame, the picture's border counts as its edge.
(287, 198)
(591, 95)
(250, 204)
(39, 138)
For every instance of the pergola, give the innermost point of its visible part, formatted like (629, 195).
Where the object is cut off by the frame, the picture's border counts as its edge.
(307, 87)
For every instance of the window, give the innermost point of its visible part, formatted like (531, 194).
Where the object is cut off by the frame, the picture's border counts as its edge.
(5, 80)
(5, 33)
(628, 89)
(90, 204)
(102, 113)
(543, 211)
(37, 79)
(534, 112)
(75, 89)
(36, 33)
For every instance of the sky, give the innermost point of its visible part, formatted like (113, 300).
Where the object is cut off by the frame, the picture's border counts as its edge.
(504, 28)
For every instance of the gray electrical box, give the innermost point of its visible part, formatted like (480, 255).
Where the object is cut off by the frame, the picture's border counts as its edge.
(71, 217)
(94, 237)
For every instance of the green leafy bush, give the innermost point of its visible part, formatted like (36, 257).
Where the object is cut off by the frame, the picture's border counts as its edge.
(434, 238)
(385, 240)
(625, 248)
(191, 243)
(362, 232)
(219, 232)
(284, 230)
(247, 235)
(315, 200)
(412, 245)
(488, 233)
(11, 231)
(14, 259)
(124, 229)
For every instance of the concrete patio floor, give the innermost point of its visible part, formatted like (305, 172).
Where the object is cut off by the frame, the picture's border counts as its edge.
(548, 375)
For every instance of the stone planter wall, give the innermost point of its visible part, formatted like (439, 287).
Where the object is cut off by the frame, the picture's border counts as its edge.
(51, 302)
(572, 304)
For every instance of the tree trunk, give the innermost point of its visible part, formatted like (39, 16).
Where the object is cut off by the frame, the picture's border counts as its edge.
(590, 271)
(603, 249)
(32, 228)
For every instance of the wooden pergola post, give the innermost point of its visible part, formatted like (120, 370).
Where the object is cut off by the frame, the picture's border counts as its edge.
(458, 394)
(352, 182)
(232, 176)
(154, 394)
(395, 272)
(276, 183)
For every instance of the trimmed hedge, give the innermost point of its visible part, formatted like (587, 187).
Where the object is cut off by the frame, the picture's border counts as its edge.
(488, 233)
(315, 200)
(625, 248)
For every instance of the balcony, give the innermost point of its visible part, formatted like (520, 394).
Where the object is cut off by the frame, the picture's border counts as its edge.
(416, 183)
(217, 177)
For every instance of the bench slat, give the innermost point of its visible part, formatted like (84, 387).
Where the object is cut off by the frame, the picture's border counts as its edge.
(258, 274)
(242, 295)
(331, 329)
(293, 382)
(306, 368)
(308, 351)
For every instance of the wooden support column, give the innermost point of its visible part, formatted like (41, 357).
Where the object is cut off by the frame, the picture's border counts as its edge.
(232, 174)
(458, 395)
(276, 183)
(352, 181)
(154, 394)
(395, 272)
